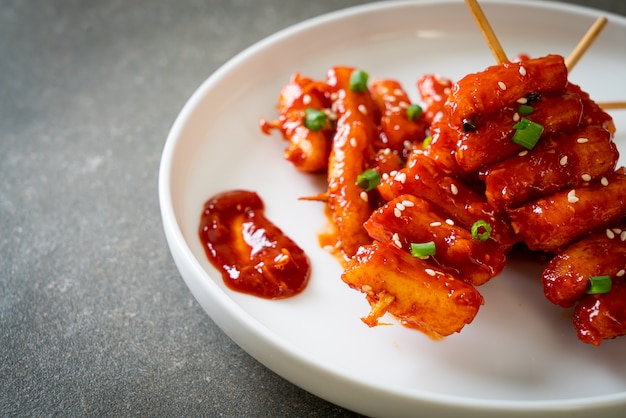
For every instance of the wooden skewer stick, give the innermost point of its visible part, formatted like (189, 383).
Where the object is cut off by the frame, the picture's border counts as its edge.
(487, 31)
(612, 105)
(585, 42)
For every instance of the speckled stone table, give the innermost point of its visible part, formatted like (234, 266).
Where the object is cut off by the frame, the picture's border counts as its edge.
(94, 317)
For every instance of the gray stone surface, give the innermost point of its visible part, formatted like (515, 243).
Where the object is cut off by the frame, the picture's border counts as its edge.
(94, 317)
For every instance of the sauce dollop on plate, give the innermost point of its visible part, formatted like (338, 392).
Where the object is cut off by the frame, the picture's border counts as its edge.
(253, 255)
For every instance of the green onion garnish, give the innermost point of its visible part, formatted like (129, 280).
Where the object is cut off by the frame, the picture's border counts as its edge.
(314, 119)
(481, 230)
(358, 81)
(414, 111)
(426, 142)
(368, 180)
(423, 249)
(525, 109)
(599, 284)
(527, 133)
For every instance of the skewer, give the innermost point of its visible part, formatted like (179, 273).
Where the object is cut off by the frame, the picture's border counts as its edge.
(321, 197)
(585, 42)
(487, 31)
(612, 105)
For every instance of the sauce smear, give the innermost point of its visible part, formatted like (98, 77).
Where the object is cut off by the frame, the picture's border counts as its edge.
(253, 255)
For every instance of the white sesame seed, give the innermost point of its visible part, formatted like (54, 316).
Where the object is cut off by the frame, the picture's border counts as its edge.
(430, 272)
(522, 70)
(366, 288)
(363, 109)
(393, 172)
(306, 99)
(436, 223)
(408, 203)
(622, 236)
(398, 92)
(401, 177)
(582, 140)
(523, 153)
(620, 273)
(450, 222)
(516, 117)
(418, 152)
(571, 196)
(403, 105)
(604, 181)
(353, 142)
(400, 206)
(387, 151)
(364, 196)
(610, 234)
(617, 230)
(586, 177)
(389, 98)
(341, 94)
(407, 144)
(501, 85)
(563, 160)
(334, 96)
(397, 212)
(385, 176)
(522, 100)
(454, 189)
(446, 91)
(396, 109)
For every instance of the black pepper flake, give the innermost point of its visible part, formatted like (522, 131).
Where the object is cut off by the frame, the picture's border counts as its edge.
(469, 125)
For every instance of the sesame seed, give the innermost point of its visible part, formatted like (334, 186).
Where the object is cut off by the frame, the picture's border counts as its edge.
(397, 212)
(403, 105)
(334, 96)
(387, 151)
(620, 273)
(398, 92)
(450, 222)
(430, 272)
(454, 189)
(393, 172)
(582, 140)
(523, 153)
(401, 177)
(501, 85)
(571, 196)
(400, 206)
(522, 100)
(586, 177)
(364, 196)
(610, 234)
(516, 117)
(407, 144)
(522, 70)
(563, 160)
(353, 142)
(418, 152)
(396, 240)
(446, 90)
(341, 94)
(306, 99)
(396, 109)
(363, 109)
(366, 288)
(385, 176)
(622, 236)
(617, 230)
(604, 181)
(436, 223)
(389, 98)
(408, 203)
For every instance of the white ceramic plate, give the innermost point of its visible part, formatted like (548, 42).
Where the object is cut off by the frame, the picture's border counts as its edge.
(520, 356)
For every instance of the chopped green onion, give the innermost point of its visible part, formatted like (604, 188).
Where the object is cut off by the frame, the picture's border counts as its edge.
(423, 249)
(358, 81)
(525, 109)
(527, 133)
(414, 111)
(599, 284)
(426, 142)
(481, 230)
(368, 180)
(314, 119)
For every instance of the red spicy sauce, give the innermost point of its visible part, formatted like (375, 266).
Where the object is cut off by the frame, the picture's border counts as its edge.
(253, 254)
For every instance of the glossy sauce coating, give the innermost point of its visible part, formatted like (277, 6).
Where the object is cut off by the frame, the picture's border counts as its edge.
(252, 254)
